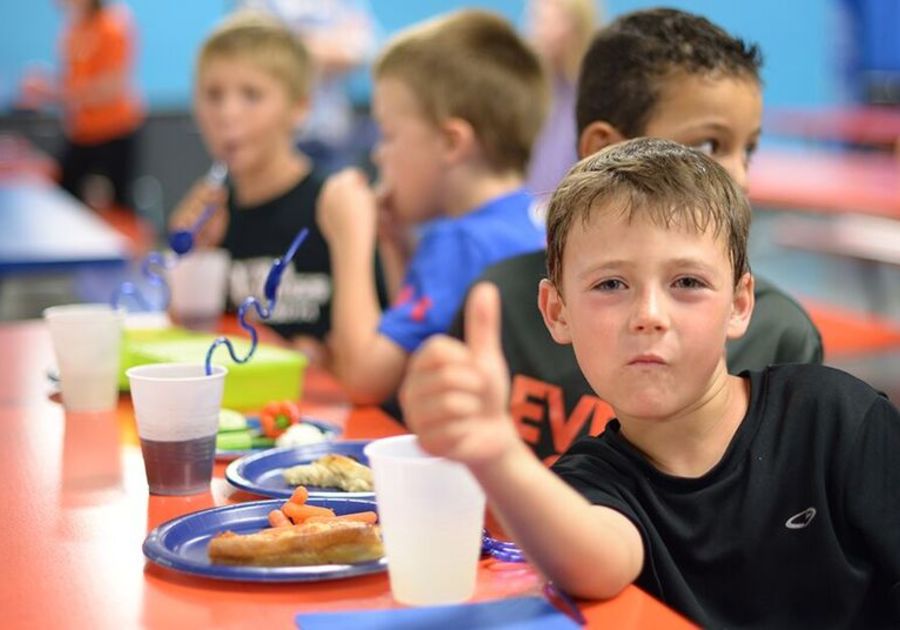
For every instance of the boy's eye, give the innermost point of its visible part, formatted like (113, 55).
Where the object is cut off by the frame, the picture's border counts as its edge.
(251, 94)
(709, 147)
(611, 284)
(749, 150)
(213, 94)
(688, 282)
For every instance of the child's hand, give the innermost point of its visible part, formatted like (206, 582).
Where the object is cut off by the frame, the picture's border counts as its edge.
(455, 394)
(201, 195)
(393, 232)
(346, 211)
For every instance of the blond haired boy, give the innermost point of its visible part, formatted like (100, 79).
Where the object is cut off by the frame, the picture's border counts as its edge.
(252, 84)
(762, 500)
(459, 101)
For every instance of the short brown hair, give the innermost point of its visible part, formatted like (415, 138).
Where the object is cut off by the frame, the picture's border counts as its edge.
(266, 43)
(658, 179)
(473, 65)
(629, 61)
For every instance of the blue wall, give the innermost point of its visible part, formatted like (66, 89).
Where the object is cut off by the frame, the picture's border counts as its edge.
(800, 65)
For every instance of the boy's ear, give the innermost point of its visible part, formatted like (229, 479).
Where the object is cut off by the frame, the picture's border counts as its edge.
(459, 139)
(597, 135)
(741, 307)
(553, 309)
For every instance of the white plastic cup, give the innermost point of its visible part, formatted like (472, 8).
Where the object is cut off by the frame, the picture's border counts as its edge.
(431, 512)
(86, 341)
(177, 410)
(199, 283)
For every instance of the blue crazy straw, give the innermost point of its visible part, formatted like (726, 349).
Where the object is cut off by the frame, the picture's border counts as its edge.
(263, 312)
(152, 268)
(181, 241)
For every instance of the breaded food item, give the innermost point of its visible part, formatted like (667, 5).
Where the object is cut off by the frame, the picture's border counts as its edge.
(331, 471)
(323, 542)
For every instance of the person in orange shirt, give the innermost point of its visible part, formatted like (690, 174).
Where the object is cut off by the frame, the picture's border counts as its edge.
(102, 113)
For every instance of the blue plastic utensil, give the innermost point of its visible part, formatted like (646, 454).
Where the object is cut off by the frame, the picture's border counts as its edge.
(270, 291)
(502, 550)
(563, 602)
(152, 268)
(182, 241)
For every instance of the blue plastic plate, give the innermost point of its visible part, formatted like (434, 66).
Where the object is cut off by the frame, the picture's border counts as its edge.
(331, 431)
(262, 473)
(181, 544)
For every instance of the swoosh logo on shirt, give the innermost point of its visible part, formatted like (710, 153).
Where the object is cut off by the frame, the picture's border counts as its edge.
(801, 520)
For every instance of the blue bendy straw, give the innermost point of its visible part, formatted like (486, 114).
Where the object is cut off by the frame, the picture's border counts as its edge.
(270, 291)
(182, 241)
(152, 268)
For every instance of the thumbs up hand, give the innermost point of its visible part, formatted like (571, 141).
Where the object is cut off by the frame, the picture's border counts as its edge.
(455, 393)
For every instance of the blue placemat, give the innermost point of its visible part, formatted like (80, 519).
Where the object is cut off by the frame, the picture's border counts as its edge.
(521, 613)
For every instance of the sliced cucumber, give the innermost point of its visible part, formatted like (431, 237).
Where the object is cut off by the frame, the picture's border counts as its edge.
(261, 441)
(234, 440)
(231, 420)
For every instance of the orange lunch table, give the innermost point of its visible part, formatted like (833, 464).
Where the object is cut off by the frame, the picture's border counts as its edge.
(76, 511)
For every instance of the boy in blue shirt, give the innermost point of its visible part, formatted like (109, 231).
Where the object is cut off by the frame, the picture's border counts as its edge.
(767, 499)
(459, 101)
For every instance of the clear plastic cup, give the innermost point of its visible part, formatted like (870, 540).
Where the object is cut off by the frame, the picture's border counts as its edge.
(199, 283)
(86, 341)
(431, 512)
(177, 410)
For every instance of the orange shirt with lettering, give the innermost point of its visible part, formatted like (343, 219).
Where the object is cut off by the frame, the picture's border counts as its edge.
(99, 46)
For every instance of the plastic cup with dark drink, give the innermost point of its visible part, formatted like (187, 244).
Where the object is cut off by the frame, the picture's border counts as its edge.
(177, 410)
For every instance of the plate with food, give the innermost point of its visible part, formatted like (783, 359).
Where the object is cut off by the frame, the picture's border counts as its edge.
(273, 541)
(328, 469)
(240, 435)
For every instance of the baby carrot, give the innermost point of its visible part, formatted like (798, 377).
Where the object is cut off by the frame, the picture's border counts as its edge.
(363, 517)
(299, 496)
(299, 513)
(278, 519)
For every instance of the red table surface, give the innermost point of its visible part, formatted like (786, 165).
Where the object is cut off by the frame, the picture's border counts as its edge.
(824, 182)
(76, 510)
(875, 126)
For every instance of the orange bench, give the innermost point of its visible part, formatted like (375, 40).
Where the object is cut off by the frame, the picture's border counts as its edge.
(846, 332)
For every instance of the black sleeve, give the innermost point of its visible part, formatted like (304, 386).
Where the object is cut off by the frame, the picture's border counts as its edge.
(873, 493)
(590, 480)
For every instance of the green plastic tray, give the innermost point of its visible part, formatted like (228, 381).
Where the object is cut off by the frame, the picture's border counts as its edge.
(272, 373)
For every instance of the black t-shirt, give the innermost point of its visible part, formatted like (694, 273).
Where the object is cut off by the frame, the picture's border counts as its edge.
(798, 525)
(550, 399)
(258, 234)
